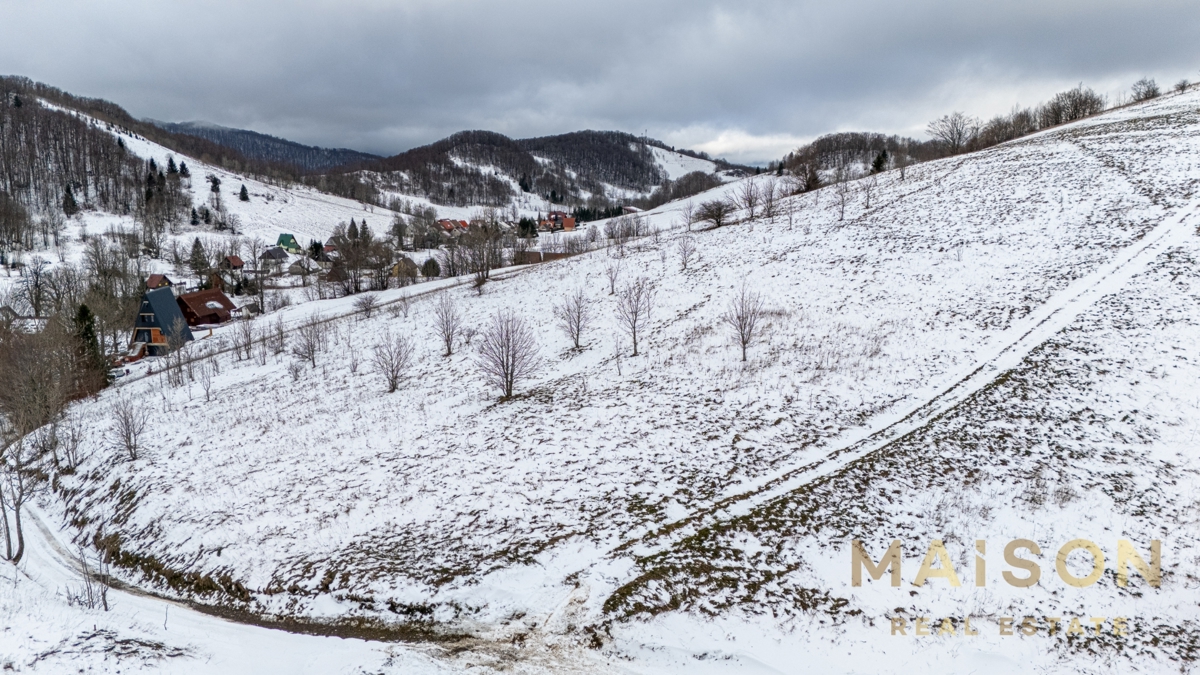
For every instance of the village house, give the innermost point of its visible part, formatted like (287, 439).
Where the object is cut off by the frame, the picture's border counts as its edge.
(556, 221)
(159, 325)
(405, 268)
(453, 228)
(288, 243)
(274, 258)
(231, 263)
(155, 281)
(206, 307)
(304, 267)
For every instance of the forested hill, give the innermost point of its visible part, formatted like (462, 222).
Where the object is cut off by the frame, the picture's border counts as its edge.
(263, 147)
(116, 117)
(484, 167)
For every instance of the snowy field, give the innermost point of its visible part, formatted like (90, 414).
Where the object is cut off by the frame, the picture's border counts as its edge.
(1002, 345)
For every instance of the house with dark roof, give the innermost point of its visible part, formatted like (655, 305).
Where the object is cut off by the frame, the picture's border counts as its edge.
(206, 307)
(288, 243)
(273, 259)
(159, 325)
(157, 281)
(231, 262)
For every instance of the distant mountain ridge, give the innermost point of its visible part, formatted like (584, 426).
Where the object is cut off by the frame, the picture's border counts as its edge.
(472, 168)
(484, 167)
(267, 148)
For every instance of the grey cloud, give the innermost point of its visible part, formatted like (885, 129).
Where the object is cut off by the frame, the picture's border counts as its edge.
(385, 76)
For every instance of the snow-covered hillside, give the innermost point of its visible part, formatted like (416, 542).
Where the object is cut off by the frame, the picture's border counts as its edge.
(1001, 345)
(676, 165)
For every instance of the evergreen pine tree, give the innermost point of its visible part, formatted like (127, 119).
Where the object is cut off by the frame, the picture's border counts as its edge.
(183, 170)
(198, 261)
(153, 166)
(880, 163)
(244, 195)
(69, 206)
(17, 102)
(527, 228)
(352, 231)
(207, 216)
(195, 217)
(171, 168)
(85, 329)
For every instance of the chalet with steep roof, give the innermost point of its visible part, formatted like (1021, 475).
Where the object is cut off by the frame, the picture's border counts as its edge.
(159, 325)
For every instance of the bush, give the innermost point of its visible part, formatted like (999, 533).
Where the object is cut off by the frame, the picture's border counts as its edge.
(431, 269)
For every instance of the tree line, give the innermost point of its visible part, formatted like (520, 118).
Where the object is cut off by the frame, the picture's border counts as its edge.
(835, 155)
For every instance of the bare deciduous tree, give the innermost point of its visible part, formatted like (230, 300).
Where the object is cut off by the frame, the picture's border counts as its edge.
(19, 482)
(902, 159)
(70, 438)
(1145, 89)
(718, 212)
(748, 198)
(687, 252)
(310, 339)
(635, 303)
(243, 339)
(868, 187)
(92, 593)
(574, 316)
(843, 190)
(392, 359)
(770, 194)
(176, 341)
(278, 336)
(612, 270)
(508, 352)
(130, 420)
(955, 130)
(351, 350)
(447, 322)
(744, 316)
(688, 213)
(207, 368)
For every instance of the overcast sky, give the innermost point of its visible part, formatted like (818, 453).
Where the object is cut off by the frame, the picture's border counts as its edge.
(747, 80)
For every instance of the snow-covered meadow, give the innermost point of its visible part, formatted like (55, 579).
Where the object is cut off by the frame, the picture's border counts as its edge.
(1002, 345)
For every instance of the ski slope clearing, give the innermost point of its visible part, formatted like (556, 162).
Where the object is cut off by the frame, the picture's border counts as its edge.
(999, 345)
(676, 165)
